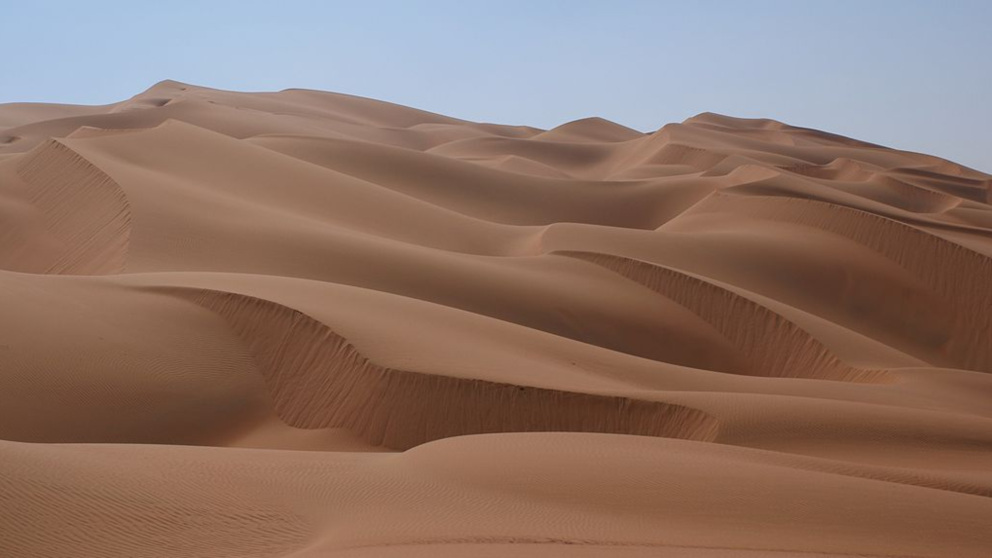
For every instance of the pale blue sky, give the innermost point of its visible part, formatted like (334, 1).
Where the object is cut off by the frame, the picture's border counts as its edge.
(910, 74)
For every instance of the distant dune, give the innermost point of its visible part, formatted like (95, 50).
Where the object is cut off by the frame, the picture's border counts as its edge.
(305, 324)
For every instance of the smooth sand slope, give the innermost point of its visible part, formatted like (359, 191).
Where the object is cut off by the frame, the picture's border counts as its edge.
(305, 324)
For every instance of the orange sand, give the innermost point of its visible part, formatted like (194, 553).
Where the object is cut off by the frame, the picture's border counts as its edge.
(305, 324)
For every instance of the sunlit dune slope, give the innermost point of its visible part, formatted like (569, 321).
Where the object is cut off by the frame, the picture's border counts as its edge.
(304, 324)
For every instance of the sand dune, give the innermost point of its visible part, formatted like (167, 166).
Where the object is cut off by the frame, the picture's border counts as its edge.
(305, 324)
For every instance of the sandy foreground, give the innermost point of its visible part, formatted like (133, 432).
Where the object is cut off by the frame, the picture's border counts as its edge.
(305, 324)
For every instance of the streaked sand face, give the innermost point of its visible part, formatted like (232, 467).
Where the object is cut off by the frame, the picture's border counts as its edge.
(728, 337)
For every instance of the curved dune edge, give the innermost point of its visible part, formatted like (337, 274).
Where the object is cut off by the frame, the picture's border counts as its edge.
(839, 169)
(773, 345)
(956, 273)
(874, 184)
(910, 197)
(673, 153)
(317, 379)
(81, 206)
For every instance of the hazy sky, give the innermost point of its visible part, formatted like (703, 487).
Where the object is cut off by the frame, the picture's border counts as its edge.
(910, 74)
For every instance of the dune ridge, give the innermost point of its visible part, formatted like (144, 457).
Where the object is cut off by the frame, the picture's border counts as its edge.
(961, 280)
(82, 208)
(750, 326)
(318, 380)
(301, 323)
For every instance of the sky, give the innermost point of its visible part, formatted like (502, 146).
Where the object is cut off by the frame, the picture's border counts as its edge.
(909, 74)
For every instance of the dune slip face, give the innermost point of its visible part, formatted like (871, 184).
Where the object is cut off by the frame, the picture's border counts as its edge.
(302, 324)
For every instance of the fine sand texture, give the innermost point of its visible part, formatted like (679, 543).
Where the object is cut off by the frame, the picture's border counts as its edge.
(305, 324)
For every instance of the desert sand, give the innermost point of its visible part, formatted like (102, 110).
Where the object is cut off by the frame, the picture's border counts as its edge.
(303, 324)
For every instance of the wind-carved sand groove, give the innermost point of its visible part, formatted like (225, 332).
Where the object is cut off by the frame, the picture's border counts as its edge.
(773, 345)
(81, 206)
(317, 379)
(961, 276)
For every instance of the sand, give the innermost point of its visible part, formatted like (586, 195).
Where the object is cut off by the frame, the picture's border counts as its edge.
(305, 324)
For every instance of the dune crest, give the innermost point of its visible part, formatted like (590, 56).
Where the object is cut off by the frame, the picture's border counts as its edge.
(82, 211)
(318, 380)
(302, 324)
